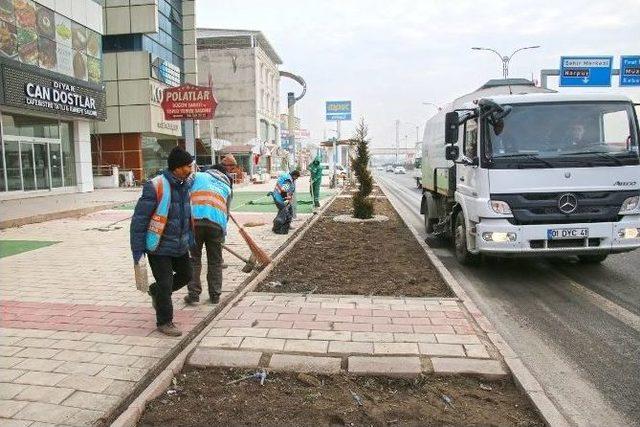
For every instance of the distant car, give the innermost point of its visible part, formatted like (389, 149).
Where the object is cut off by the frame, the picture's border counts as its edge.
(389, 168)
(400, 170)
(380, 168)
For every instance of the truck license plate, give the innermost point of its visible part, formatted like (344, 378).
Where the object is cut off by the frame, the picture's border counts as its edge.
(567, 233)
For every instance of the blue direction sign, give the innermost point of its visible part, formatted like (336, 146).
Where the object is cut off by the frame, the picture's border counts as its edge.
(338, 110)
(630, 70)
(591, 71)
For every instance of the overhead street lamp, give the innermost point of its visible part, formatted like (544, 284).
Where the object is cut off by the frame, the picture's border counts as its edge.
(505, 59)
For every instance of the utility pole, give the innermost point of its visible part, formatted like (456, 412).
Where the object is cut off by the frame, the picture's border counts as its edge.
(397, 139)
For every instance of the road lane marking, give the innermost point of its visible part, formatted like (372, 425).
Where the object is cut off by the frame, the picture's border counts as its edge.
(622, 314)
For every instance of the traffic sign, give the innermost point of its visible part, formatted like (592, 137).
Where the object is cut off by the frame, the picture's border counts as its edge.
(630, 70)
(590, 71)
(338, 110)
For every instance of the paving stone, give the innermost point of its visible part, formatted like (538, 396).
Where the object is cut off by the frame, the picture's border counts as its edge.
(110, 348)
(457, 339)
(76, 356)
(37, 353)
(227, 342)
(72, 345)
(40, 378)
(146, 341)
(289, 362)
(393, 328)
(306, 346)
(395, 348)
(9, 390)
(116, 359)
(4, 422)
(491, 369)
(85, 417)
(217, 332)
(37, 393)
(8, 375)
(86, 383)
(322, 326)
(103, 338)
(404, 337)
(401, 366)
(9, 362)
(6, 350)
(433, 329)
(228, 358)
(247, 332)
(44, 365)
(119, 388)
(79, 368)
(330, 335)
(441, 349)
(157, 352)
(69, 335)
(354, 327)
(8, 408)
(46, 412)
(476, 350)
(350, 347)
(36, 342)
(145, 363)
(372, 336)
(94, 401)
(269, 344)
(124, 373)
(288, 333)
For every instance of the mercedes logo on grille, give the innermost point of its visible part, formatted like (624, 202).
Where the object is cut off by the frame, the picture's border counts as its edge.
(568, 203)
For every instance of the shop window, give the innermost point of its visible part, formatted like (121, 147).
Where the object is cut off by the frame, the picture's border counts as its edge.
(55, 160)
(12, 159)
(19, 125)
(155, 153)
(3, 184)
(68, 154)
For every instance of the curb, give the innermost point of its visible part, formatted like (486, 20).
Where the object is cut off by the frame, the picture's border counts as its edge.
(131, 415)
(524, 379)
(18, 222)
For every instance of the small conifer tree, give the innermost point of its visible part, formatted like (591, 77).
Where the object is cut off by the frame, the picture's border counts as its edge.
(362, 206)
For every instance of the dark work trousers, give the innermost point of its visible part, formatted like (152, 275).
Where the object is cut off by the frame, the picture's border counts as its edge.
(211, 236)
(171, 274)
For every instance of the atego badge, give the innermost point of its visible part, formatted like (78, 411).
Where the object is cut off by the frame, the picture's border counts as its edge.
(189, 102)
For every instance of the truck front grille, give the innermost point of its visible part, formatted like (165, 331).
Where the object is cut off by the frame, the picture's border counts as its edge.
(542, 208)
(560, 244)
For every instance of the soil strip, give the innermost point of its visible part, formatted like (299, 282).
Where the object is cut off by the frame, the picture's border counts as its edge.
(381, 258)
(203, 397)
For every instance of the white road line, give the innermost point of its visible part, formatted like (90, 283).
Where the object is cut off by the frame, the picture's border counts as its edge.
(606, 305)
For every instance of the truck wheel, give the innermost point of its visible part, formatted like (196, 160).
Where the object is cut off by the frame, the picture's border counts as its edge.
(592, 259)
(460, 242)
(428, 222)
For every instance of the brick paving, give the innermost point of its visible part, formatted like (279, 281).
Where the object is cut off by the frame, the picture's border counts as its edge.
(363, 335)
(75, 334)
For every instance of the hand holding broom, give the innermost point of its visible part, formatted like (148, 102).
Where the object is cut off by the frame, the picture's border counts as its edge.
(260, 255)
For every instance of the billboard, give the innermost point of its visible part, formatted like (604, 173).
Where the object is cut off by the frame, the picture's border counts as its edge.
(189, 102)
(338, 110)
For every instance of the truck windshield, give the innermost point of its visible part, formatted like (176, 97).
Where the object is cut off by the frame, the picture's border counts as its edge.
(564, 134)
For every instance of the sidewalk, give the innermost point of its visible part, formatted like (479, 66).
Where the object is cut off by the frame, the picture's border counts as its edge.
(75, 334)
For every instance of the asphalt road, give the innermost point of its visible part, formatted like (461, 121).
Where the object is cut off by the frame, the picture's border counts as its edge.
(576, 327)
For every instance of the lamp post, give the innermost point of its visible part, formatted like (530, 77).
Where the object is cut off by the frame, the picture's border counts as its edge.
(505, 59)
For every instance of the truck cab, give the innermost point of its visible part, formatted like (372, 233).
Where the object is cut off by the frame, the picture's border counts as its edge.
(535, 174)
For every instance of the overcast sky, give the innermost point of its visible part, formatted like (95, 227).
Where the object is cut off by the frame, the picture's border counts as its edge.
(388, 57)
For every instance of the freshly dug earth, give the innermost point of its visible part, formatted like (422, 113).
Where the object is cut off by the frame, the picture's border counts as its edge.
(376, 258)
(203, 398)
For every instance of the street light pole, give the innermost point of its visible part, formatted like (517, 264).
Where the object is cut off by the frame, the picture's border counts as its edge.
(505, 59)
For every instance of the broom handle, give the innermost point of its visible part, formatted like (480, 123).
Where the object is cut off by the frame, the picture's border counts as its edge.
(237, 255)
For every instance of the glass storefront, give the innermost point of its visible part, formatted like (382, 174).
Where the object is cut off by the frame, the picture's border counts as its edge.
(155, 153)
(37, 153)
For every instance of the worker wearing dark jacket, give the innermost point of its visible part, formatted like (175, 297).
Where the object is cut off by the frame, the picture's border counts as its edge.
(161, 228)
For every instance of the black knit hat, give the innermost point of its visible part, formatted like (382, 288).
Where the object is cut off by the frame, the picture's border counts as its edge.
(179, 157)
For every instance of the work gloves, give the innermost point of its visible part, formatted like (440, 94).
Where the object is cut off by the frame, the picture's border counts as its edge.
(137, 255)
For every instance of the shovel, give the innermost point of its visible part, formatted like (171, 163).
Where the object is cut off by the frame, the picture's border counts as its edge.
(249, 264)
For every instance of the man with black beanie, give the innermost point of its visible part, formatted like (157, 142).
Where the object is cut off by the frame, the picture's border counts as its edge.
(161, 228)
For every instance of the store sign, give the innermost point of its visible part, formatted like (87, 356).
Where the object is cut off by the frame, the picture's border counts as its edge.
(188, 102)
(46, 93)
(60, 96)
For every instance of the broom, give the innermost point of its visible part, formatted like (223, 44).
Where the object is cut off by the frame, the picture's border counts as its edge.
(260, 255)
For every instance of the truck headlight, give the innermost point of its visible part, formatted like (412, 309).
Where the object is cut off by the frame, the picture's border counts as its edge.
(499, 237)
(500, 207)
(630, 204)
(629, 233)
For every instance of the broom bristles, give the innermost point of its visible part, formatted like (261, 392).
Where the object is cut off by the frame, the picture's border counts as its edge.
(261, 256)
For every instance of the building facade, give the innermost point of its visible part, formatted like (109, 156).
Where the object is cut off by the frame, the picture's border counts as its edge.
(51, 90)
(149, 45)
(242, 68)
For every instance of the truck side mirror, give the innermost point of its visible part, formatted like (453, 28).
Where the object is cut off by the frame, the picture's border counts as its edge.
(452, 152)
(451, 123)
